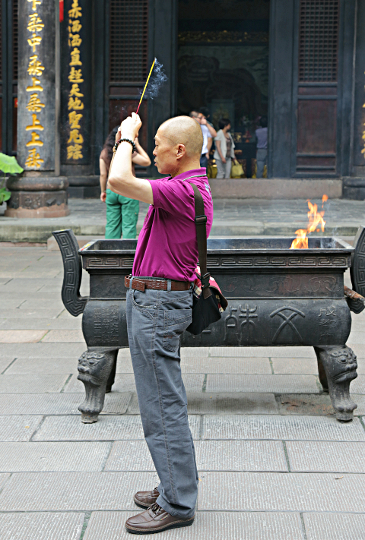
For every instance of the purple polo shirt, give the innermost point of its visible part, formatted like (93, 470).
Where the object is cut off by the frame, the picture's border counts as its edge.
(167, 245)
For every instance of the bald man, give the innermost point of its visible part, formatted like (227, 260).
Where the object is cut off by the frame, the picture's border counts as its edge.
(159, 309)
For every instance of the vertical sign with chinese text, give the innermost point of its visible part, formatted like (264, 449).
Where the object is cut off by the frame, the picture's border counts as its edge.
(36, 85)
(76, 82)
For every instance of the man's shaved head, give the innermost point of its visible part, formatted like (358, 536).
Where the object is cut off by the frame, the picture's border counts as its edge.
(183, 130)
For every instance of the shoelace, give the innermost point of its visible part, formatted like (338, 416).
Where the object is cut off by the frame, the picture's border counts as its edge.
(156, 509)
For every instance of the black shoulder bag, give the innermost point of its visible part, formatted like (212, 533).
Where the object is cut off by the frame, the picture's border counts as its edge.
(205, 307)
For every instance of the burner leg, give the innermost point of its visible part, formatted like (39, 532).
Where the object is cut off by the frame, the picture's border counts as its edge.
(321, 372)
(96, 369)
(111, 379)
(337, 368)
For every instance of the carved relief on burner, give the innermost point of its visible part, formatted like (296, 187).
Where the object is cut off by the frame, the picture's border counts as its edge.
(276, 261)
(231, 286)
(287, 314)
(326, 318)
(320, 284)
(241, 323)
(105, 325)
(109, 262)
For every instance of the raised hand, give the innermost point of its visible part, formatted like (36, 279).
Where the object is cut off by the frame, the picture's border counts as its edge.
(130, 127)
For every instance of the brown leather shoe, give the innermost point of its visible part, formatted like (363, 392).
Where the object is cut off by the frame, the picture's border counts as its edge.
(155, 520)
(145, 499)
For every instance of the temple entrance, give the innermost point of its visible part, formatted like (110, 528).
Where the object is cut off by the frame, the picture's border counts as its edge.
(223, 64)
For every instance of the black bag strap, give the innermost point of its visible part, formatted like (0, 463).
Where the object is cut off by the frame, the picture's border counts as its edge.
(201, 236)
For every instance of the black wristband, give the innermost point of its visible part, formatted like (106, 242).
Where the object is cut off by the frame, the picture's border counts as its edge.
(126, 140)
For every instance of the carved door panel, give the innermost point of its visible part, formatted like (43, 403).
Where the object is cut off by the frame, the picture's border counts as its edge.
(127, 60)
(317, 92)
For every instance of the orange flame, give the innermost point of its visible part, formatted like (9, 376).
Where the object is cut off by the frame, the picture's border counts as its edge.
(315, 219)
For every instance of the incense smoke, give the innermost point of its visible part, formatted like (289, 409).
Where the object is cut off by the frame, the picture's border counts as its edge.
(157, 79)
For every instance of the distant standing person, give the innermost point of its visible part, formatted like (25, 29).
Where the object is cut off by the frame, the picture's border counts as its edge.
(224, 149)
(121, 212)
(208, 132)
(261, 153)
(204, 116)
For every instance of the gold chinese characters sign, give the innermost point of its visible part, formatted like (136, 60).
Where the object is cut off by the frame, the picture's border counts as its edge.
(34, 90)
(75, 105)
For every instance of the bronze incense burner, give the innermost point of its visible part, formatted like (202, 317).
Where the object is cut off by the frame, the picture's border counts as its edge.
(277, 297)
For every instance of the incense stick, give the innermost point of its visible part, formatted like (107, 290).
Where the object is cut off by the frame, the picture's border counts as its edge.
(145, 86)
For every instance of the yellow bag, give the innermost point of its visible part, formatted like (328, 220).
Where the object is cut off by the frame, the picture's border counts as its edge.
(236, 170)
(212, 170)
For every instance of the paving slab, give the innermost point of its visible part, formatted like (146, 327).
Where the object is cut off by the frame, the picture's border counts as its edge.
(62, 336)
(356, 337)
(124, 364)
(53, 456)
(209, 403)
(198, 352)
(29, 323)
(277, 384)
(358, 385)
(129, 456)
(32, 383)
(240, 456)
(3, 478)
(18, 428)
(124, 353)
(318, 456)
(5, 361)
(53, 403)
(312, 404)
(109, 428)
(50, 313)
(42, 350)
(297, 366)
(11, 303)
(125, 383)
(278, 492)
(281, 427)
(41, 303)
(334, 526)
(207, 526)
(23, 272)
(31, 286)
(225, 365)
(41, 526)
(262, 352)
(361, 366)
(309, 404)
(360, 402)
(73, 491)
(41, 365)
(21, 336)
(359, 350)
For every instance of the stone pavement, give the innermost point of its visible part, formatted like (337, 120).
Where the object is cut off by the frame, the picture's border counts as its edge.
(241, 217)
(274, 464)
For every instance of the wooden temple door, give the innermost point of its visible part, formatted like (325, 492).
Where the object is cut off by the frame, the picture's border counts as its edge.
(316, 89)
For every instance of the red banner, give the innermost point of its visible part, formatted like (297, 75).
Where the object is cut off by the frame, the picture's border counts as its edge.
(61, 10)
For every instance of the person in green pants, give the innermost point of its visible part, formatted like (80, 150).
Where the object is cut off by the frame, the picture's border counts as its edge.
(121, 212)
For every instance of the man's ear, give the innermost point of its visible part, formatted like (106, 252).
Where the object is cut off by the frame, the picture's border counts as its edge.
(180, 151)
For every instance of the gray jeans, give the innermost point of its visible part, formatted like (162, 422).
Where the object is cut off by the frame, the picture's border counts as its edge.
(156, 320)
(261, 159)
(224, 169)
